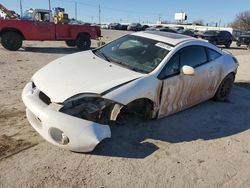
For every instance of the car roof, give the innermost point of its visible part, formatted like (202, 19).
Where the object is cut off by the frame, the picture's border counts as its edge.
(167, 37)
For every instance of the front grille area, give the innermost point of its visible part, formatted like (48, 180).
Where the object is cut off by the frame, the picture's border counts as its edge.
(44, 98)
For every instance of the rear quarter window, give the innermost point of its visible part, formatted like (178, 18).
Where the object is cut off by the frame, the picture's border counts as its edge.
(212, 54)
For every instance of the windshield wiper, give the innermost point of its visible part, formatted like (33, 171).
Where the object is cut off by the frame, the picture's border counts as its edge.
(138, 70)
(101, 54)
(127, 66)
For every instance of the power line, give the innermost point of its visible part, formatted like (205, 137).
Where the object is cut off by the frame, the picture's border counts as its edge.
(112, 9)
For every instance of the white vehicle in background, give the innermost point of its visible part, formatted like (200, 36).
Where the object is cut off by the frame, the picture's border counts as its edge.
(105, 26)
(71, 101)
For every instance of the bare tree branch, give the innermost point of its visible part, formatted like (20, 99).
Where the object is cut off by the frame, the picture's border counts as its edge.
(242, 21)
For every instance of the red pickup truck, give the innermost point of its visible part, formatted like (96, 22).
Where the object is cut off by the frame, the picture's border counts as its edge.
(39, 25)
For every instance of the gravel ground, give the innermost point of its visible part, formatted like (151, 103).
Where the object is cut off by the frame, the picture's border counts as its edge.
(205, 146)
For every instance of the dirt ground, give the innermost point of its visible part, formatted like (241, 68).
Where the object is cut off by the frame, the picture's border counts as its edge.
(205, 146)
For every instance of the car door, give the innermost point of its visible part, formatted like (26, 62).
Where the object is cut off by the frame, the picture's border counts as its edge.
(181, 91)
(218, 38)
(42, 28)
(223, 39)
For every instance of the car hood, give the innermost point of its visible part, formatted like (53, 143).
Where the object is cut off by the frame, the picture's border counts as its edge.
(79, 73)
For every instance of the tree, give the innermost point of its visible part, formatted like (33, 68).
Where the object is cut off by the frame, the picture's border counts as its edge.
(242, 21)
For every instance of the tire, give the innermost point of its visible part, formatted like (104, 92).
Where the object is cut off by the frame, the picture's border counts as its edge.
(70, 43)
(224, 89)
(238, 44)
(83, 42)
(11, 41)
(228, 44)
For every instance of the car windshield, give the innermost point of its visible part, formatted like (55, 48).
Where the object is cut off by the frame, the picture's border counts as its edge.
(133, 24)
(133, 52)
(27, 15)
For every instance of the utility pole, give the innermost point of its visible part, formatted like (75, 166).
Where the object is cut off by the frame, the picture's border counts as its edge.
(159, 18)
(75, 10)
(99, 14)
(49, 5)
(21, 8)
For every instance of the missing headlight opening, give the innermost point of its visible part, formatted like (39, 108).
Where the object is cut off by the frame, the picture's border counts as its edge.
(94, 109)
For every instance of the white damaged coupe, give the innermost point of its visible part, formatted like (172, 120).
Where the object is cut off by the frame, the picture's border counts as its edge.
(71, 101)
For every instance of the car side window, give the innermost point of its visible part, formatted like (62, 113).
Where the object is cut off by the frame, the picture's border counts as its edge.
(172, 68)
(42, 17)
(221, 34)
(212, 54)
(193, 56)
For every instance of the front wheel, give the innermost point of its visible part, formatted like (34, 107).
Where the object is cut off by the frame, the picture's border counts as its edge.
(11, 41)
(83, 42)
(228, 44)
(224, 89)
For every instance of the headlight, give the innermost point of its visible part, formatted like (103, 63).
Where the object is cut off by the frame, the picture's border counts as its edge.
(88, 106)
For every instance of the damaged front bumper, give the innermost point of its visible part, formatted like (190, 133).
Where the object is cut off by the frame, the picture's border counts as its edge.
(59, 128)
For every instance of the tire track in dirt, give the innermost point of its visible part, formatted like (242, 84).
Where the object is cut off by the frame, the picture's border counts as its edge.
(9, 114)
(10, 146)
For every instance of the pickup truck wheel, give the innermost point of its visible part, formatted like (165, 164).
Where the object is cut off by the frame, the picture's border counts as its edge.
(11, 41)
(70, 43)
(83, 42)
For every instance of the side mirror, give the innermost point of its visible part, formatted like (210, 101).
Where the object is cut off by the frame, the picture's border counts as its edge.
(187, 70)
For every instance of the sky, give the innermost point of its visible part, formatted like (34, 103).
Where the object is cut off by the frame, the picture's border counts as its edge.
(144, 11)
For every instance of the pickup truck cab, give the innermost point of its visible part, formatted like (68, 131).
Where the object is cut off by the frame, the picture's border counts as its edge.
(39, 25)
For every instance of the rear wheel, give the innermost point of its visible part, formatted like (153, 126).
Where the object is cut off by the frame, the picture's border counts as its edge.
(224, 89)
(11, 40)
(70, 43)
(238, 43)
(83, 42)
(148, 110)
